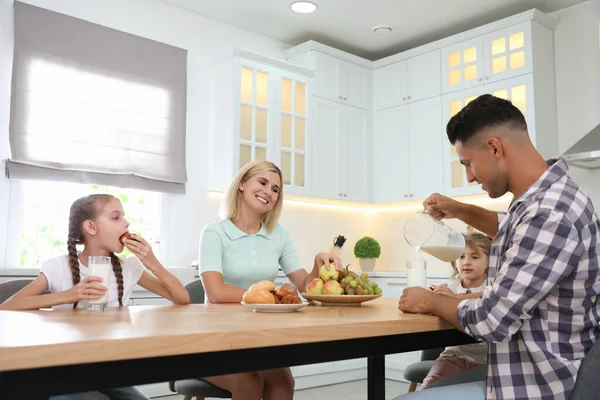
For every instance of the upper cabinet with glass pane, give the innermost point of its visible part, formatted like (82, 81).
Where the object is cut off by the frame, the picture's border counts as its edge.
(462, 65)
(508, 52)
(259, 111)
(496, 54)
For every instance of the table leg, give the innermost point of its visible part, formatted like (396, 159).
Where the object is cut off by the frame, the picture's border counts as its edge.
(376, 378)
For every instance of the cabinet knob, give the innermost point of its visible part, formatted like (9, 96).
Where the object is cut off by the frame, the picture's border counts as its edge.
(479, 79)
(404, 99)
(345, 195)
(339, 194)
(409, 97)
(405, 196)
(340, 97)
(410, 195)
(487, 77)
(345, 98)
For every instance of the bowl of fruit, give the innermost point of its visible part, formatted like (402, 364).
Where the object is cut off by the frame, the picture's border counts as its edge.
(345, 288)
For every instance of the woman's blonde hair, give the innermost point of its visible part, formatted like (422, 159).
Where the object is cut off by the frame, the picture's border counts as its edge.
(233, 195)
(474, 240)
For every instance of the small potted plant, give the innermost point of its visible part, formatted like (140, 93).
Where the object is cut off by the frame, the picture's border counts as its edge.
(367, 250)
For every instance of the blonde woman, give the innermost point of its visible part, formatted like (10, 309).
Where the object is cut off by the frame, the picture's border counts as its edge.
(246, 247)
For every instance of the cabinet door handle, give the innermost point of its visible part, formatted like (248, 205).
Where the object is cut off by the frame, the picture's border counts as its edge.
(345, 98)
(479, 79)
(339, 194)
(487, 77)
(397, 283)
(404, 99)
(405, 196)
(409, 97)
(410, 195)
(339, 97)
(345, 195)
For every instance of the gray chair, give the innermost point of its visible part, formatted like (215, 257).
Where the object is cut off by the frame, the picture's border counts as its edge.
(9, 288)
(587, 385)
(196, 387)
(416, 372)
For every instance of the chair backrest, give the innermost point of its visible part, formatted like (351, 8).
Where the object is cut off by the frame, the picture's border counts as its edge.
(587, 385)
(9, 288)
(196, 291)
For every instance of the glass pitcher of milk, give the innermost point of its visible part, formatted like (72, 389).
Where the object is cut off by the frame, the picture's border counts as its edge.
(424, 232)
(101, 267)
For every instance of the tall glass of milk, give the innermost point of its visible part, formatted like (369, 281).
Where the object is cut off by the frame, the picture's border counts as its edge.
(434, 237)
(101, 267)
(416, 272)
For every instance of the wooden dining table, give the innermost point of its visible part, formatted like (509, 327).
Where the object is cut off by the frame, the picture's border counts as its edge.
(50, 352)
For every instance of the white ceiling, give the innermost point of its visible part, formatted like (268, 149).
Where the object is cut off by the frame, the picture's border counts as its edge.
(347, 24)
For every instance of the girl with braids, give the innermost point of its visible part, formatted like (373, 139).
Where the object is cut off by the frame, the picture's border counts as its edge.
(97, 223)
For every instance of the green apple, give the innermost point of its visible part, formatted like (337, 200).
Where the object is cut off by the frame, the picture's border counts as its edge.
(329, 274)
(332, 287)
(315, 286)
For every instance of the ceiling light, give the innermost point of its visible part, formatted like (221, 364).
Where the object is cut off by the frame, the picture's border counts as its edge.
(382, 29)
(303, 7)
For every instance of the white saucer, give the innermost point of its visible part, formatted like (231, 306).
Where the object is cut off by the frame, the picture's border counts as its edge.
(274, 308)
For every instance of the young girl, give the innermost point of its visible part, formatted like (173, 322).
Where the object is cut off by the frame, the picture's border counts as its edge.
(97, 223)
(247, 247)
(470, 269)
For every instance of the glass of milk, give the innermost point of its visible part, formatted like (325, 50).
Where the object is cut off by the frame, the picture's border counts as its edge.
(434, 237)
(416, 272)
(101, 267)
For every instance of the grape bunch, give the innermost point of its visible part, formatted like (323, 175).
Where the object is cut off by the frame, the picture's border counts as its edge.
(352, 283)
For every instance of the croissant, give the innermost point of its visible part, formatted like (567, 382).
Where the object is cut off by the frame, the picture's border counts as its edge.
(291, 299)
(286, 290)
(277, 299)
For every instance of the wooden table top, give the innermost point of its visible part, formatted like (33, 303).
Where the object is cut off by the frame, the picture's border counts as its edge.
(33, 339)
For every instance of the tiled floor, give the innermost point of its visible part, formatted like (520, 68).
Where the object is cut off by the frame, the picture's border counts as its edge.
(347, 391)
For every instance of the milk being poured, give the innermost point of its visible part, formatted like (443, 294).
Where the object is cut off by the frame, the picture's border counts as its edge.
(444, 253)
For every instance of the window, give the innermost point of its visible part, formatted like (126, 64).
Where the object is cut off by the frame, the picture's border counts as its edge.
(45, 214)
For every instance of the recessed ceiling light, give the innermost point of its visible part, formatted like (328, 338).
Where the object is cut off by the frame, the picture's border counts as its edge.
(382, 29)
(303, 7)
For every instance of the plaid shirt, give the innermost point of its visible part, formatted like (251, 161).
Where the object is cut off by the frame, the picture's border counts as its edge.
(540, 311)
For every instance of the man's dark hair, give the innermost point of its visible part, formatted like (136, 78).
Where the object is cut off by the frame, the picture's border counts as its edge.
(484, 112)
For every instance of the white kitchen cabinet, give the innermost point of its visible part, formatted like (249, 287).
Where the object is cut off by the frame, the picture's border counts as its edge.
(425, 148)
(339, 76)
(519, 90)
(403, 82)
(462, 65)
(259, 111)
(407, 152)
(390, 155)
(508, 52)
(390, 85)
(341, 81)
(340, 151)
(424, 76)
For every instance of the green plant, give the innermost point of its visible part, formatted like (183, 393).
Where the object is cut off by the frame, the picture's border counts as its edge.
(367, 247)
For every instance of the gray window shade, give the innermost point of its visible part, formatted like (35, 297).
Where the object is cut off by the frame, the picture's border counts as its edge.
(92, 104)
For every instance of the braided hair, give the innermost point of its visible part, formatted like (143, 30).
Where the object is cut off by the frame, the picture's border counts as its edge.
(81, 210)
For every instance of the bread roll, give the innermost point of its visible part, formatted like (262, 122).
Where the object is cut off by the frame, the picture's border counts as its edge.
(263, 285)
(258, 296)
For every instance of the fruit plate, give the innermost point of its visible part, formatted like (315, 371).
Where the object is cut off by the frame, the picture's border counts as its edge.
(274, 308)
(344, 300)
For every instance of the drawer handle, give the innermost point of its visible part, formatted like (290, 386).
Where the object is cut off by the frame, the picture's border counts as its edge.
(396, 283)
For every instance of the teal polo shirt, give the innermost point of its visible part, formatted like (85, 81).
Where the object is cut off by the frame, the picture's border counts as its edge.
(245, 259)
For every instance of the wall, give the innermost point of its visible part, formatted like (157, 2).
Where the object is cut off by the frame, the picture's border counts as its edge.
(577, 56)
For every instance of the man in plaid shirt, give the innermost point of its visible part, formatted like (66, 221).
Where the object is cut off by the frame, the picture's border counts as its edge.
(540, 311)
